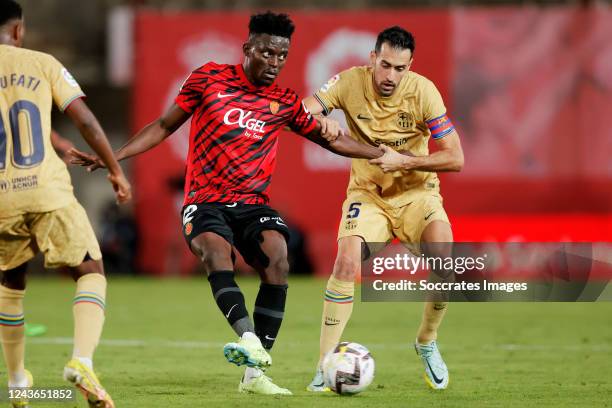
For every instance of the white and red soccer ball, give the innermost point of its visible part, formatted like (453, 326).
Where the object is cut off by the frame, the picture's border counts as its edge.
(348, 368)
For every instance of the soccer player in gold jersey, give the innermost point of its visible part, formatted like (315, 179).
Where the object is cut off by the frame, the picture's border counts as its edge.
(38, 210)
(396, 195)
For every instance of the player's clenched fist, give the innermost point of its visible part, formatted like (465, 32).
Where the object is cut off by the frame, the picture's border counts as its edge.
(330, 129)
(123, 190)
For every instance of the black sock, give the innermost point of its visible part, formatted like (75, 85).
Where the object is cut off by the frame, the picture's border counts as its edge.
(230, 300)
(269, 311)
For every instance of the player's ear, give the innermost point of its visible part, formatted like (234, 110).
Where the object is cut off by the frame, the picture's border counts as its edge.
(373, 58)
(246, 48)
(409, 63)
(18, 33)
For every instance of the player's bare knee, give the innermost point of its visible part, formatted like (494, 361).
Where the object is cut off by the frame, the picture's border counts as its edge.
(215, 260)
(87, 267)
(277, 272)
(346, 267)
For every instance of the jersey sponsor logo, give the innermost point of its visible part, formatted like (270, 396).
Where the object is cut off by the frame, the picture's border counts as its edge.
(188, 228)
(331, 82)
(405, 120)
(19, 183)
(243, 119)
(391, 143)
(274, 107)
(69, 78)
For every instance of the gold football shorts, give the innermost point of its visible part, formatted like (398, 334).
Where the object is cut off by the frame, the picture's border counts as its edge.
(370, 218)
(64, 236)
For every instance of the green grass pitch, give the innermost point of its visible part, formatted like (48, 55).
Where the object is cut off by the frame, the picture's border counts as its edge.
(162, 347)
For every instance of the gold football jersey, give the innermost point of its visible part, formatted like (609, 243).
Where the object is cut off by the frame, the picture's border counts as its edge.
(399, 121)
(32, 176)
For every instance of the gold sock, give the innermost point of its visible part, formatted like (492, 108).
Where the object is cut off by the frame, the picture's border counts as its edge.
(337, 309)
(433, 312)
(88, 311)
(12, 332)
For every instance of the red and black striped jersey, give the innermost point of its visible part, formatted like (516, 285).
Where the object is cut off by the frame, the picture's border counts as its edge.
(234, 133)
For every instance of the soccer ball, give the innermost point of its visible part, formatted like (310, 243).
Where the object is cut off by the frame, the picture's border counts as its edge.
(348, 368)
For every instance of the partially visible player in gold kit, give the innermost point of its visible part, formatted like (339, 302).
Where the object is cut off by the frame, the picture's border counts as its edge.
(396, 195)
(38, 210)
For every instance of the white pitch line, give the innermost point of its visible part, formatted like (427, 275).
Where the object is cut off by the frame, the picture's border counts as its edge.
(187, 344)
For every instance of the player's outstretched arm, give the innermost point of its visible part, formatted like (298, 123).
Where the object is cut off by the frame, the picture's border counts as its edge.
(343, 144)
(448, 157)
(148, 137)
(93, 134)
(154, 133)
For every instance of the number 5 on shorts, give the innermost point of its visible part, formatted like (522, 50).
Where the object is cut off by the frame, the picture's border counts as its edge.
(353, 210)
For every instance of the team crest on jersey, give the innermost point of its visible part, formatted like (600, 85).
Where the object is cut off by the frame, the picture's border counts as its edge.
(405, 120)
(274, 106)
(188, 228)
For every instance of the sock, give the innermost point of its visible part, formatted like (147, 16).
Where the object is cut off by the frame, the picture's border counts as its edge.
(433, 312)
(337, 309)
(12, 334)
(88, 310)
(269, 312)
(230, 300)
(251, 372)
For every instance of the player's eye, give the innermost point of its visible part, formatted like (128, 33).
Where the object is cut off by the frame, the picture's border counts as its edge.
(282, 57)
(400, 69)
(266, 54)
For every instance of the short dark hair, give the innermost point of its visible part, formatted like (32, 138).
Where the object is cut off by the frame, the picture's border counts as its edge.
(9, 10)
(271, 23)
(396, 37)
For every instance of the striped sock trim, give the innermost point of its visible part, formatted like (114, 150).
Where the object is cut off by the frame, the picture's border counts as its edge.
(335, 297)
(12, 320)
(89, 297)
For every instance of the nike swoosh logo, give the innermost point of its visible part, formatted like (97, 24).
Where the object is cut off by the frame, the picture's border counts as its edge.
(436, 379)
(269, 338)
(221, 96)
(360, 116)
(429, 215)
(235, 204)
(281, 223)
(230, 311)
(331, 324)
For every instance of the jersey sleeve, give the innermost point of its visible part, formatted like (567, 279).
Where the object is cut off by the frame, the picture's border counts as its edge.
(330, 95)
(434, 112)
(302, 121)
(64, 88)
(192, 90)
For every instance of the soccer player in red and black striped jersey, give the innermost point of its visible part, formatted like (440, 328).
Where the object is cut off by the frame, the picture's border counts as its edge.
(236, 113)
